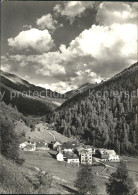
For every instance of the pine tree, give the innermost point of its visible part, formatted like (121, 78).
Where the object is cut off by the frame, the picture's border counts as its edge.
(120, 183)
(9, 140)
(85, 180)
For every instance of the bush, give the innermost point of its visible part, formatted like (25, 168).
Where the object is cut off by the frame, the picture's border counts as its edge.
(41, 181)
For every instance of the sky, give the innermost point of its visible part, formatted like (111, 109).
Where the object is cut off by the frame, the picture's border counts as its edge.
(62, 45)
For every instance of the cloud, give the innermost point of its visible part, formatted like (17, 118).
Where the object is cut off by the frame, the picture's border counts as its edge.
(96, 54)
(46, 64)
(61, 86)
(116, 12)
(33, 39)
(50, 64)
(47, 22)
(72, 9)
(5, 66)
(98, 39)
(109, 46)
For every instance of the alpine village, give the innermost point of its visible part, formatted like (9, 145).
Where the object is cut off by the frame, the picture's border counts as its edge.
(75, 143)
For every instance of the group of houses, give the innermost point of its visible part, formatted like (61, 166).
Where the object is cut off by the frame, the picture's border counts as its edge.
(72, 151)
(33, 146)
(108, 155)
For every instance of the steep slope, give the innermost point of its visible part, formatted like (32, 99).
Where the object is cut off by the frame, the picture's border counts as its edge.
(106, 115)
(28, 98)
(17, 83)
(9, 175)
(80, 90)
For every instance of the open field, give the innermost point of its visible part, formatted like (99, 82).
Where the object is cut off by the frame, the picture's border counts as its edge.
(62, 172)
(65, 174)
(42, 132)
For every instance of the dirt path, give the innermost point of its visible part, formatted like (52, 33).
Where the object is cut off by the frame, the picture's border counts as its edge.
(52, 135)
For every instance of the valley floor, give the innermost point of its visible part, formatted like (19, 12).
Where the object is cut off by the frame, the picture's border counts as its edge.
(64, 174)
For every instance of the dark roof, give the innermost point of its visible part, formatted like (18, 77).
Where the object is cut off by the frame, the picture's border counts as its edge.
(84, 151)
(41, 144)
(69, 145)
(59, 153)
(69, 156)
(104, 156)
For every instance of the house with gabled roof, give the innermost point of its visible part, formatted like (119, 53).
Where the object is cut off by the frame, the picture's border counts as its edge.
(71, 158)
(68, 146)
(108, 155)
(41, 145)
(29, 147)
(90, 149)
(54, 145)
(59, 156)
(23, 145)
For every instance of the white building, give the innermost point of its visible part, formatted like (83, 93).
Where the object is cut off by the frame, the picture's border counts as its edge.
(29, 148)
(85, 157)
(73, 160)
(59, 157)
(55, 145)
(114, 158)
(23, 145)
(109, 155)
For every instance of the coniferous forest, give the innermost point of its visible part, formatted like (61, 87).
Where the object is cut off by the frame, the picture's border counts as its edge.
(105, 116)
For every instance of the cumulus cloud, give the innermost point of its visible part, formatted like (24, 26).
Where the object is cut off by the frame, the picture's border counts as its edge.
(95, 54)
(33, 39)
(96, 40)
(72, 9)
(108, 45)
(117, 12)
(47, 22)
(46, 64)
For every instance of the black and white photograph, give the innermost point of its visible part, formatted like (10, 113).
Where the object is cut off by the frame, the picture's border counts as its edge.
(69, 97)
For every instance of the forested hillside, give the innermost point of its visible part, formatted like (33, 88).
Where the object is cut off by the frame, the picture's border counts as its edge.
(80, 89)
(28, 98)
(105, 116)
(27, 105)
(19, 84)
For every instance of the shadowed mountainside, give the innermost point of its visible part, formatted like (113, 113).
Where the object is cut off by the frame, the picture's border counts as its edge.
(104, 116)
